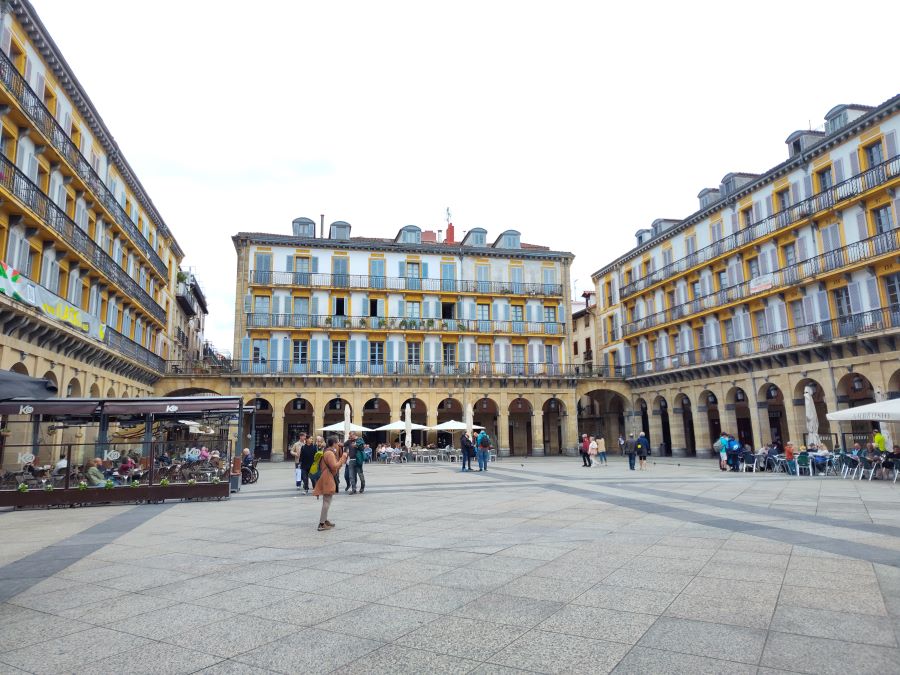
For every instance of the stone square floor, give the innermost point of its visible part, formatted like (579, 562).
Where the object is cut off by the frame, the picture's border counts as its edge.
(538, 565)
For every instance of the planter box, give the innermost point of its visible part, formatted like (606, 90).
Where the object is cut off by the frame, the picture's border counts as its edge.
(118, 495)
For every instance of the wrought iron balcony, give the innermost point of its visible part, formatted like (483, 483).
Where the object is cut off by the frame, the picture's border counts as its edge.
(13, 180)
(181, 337)
(330, 368)
(862, 251)
(43, 119)
(133, 350)
(404, 324)
(587, 356)
(874, 321)
(186, 299)
(824, 200)
(366, 282)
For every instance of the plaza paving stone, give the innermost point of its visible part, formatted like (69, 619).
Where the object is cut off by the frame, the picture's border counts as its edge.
(535, 566)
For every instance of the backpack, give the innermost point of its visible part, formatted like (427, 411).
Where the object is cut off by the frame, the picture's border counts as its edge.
(315, 470)
(484, 441)
(363, 455)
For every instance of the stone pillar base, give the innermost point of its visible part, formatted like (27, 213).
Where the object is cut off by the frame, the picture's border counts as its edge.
(706, 453)
(537, 452)
(679, 452)
(571, 452)
(503, 452)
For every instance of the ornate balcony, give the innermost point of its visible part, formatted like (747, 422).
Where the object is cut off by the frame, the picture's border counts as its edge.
(403, 324)
(55, 218)
(887, 243)
(827, 199)
(44, 121)
(366, 282)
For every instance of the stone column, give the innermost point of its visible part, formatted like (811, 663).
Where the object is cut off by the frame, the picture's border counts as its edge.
(503, 425)
(431, 416)
(656, 430)
(277, 432)
(537, 433)
(677, 432)
(570, 427)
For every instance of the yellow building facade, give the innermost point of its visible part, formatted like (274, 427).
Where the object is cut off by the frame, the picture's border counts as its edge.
(90, 292)
(781, 286)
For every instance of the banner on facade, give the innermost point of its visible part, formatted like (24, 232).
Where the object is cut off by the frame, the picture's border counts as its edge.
(22, 289)
(760, 284)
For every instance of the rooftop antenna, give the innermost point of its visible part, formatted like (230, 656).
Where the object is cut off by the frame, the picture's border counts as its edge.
(448, 215)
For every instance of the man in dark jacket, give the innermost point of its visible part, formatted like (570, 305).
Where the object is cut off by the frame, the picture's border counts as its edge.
(468, 450)
(307, 457)
(631, 450)
(356, 454)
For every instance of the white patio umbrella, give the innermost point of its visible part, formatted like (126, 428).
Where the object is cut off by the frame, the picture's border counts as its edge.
(453, 425)
(400, 425)
(345, 428)
(882, 411)
(408, 427)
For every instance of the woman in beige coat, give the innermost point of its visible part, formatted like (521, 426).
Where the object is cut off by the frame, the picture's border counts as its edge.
(601, 451)
(326, 487)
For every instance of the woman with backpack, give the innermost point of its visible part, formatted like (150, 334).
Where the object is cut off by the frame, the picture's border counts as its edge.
(483, 445)
(326, 485)
(468, 450)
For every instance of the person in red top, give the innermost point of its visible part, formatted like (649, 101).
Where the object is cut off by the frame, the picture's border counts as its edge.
(585, 446)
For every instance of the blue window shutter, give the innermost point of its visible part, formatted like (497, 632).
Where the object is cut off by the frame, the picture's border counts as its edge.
(289, 264)
(313, 350)
(273, 349)
(838, 170)
(795, 193)
(401, 269)
(390, 349)
(768, 208)
(287, 353)
(807, 187)
(245, 349)
(364, 350)
(872, 290)
(426, 309)
(352, 356)
(315, 265)
(854, 163)
(315, 306)
(424, 270)
(506, 311)
(824, 311)
(855, 298)
(402, 309)
(248, 306)
(891, 141)
(801, 248)
(381, 308)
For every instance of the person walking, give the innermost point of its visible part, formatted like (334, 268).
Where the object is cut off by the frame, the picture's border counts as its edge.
(356, 461)
(643, 449)
(345, 450)
(621, 445)
(294, 452)
(631, 450)
(468, 449)
(326, 486)
(585, 446)
(592, 450)
(601, 451)
(305, 461)
(483, 444)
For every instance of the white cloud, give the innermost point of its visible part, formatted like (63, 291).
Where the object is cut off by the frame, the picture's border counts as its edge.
(575, 122)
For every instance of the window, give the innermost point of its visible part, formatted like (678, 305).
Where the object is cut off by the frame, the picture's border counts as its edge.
(842, 302)
(667, 257)
(373, 307)
(790, 255)
(74, 294)
(715, 231)
(18, 251)
(301, 271)
(587, 344)
(797, 313)
(882, 219)
(723, 279)
(448, 310)
(300, 353)
(747, 217)
(548, 277)
(260, 304)
(340, 307)
(690, 244)
(729, 331)
(483, 275)
(753, 267)
(340, 266)
(413, 353)
(339, 352)
(50, 271)
(518, 354)
(448, 352)
(414, 310)
(260, 351)
(759, 320)
(413, 270)
(783, 199)
(518, 312)
(550, 314)
(824, 179)
(448, 277)
(696, 291)
(575, 347)
(262, 272)
(874, 155)
(376, 353)
(483, 312)
(484, 354)
(892, 285)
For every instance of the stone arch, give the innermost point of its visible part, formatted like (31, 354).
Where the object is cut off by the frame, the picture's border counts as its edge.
(853, 390)
(601, 413)
(486, 413)
(19, 368)
(448, 409)
(799, 404)
(419, 412)
(893, 390)
(73, 389)
(193, 391)
(740, 409)
(299, 417)
(259, 424)
(708, 403)
(50, 375)
(111, 393)
(775, 417)
(553, 413)
(661, 410)
(641, 419)
(95, 391)
(683, 418)
(519, 432)
(376, 412)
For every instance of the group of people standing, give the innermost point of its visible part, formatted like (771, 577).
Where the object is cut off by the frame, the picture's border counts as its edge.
(591, 447)
(480, 448)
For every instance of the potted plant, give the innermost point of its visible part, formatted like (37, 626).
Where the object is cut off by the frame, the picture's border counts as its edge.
(328, 321)
(403, 324)
(191, 482)
(362, 322)
(181, 277)
(429, 324)
(164, 482)
(22, 487)
(382, 323)
(109, 484)
(48, 487)
(82, 485)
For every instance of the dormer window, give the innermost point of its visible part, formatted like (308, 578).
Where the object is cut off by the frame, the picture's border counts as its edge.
(509, 240)
(304, 227)
(477, 238)
(339, 230)
(410, 235)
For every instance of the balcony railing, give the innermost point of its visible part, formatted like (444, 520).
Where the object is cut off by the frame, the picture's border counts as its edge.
(865, 250)
(45, 122)
(329, 322)
(133, 350)
(263, 366)
(181, 337)
(186, 298)
(848, 189)
(40, 204)
(849, 326)
(358, 281)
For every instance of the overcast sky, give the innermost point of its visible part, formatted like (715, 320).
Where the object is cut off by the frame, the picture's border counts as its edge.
(576, 123)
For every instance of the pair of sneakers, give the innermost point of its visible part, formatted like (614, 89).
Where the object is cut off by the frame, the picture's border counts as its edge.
(327, 525)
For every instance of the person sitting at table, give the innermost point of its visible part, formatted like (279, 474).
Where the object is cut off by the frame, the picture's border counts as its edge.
(204, 454)
(890, 462)
(126, 466)
(164, 459)
(246, 458)
(61, 465)
(94, 474)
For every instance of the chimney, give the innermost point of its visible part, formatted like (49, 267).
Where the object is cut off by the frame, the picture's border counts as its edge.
(322, 226)
(450, 233)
